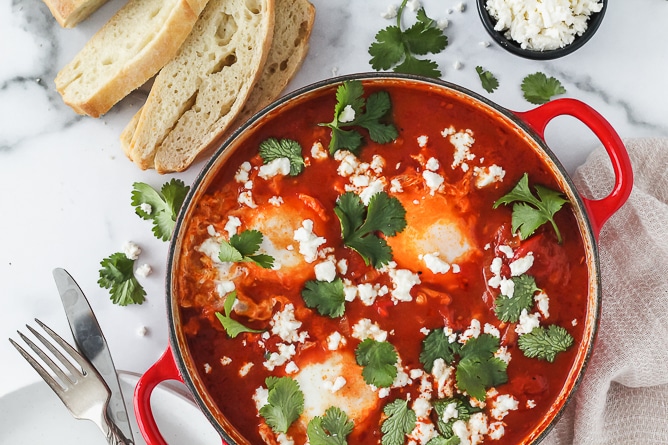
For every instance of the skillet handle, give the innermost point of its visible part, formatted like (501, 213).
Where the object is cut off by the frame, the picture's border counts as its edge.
(599, 210)
(164, 369)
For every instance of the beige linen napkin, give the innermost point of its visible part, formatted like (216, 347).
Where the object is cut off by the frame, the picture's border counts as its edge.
(623, 396)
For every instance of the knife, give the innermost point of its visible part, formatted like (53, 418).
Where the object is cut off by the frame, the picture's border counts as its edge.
(92, 344)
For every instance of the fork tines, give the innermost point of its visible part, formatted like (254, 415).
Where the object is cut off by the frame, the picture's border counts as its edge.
(65, 379)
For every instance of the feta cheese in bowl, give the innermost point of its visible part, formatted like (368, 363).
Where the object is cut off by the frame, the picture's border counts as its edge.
(541, 29)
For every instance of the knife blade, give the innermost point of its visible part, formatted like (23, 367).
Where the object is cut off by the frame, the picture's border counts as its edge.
(92, 344)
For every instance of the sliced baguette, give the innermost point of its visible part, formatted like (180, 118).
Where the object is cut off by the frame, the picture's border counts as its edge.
(69, 13)
(198, 94)
(127, 51)
(292, 29)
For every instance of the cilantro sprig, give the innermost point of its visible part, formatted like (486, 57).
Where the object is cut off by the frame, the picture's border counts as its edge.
(242, 247)
(327, 297)
(379, 359)
(545, 343)
(464, 411)
(272, 149)
(117, 275)
(353, 110)
(531, 212)
(285, 403)
(489, 82)
(160, 207)
(437, 345)
(232, 326)
(396, 47)
(508, 309)
(400, 421)
(359, 225)
(478, 369)
(539, 89)
(330, 429)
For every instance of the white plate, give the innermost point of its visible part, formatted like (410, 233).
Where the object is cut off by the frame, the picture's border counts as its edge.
(34, 415)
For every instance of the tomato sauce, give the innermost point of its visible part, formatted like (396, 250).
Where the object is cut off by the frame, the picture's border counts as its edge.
(452, 299)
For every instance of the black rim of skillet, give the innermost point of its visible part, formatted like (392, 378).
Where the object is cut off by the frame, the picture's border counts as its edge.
(510, 45)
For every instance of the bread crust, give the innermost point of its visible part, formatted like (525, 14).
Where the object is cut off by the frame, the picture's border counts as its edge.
(108, 68)
(69, 13)
(197, 94)
(289, 45)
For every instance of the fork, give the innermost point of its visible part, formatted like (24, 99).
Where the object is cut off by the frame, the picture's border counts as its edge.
(82, 390)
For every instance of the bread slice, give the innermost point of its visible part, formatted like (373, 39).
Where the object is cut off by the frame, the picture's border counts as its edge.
(292, 29)
(198, 94)
(127, 51)
(69, 13)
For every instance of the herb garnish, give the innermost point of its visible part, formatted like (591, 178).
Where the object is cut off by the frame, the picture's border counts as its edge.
(272, 148)
(400, 421)
(286, 403)
(437, 345)
(530, 212)
(384, 214)
(232, 327)
(545, 343)
(464, 411)
(478, 369)
(160, 207)
(379, 359)
(330, 429)
(509, 309)
(242, 248)
(327, 297)
(353, 110)
(117, 274)
(489, 82)
(539, 89)
(396, 48)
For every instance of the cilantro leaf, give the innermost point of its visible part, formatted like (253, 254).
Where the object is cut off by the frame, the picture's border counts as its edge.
(331, 429)
(384, 214)
(489, 82)
(396, 47)
(117, 275)
(440, 440)
(478, 369)
(545, 343)
(530, 212)
(286, 403)
(366, 113)
(242, 247)
(539, 89)
(232, 326)
(437, 345)
(400, 421)
(509, 309)
(378, 359)
(327, 297)
(273, 148)
(160, 207)
(464, 411)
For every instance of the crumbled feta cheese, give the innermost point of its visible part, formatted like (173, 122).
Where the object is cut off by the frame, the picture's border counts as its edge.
(443, 376)
(347, 114)
(275, 201)
(395, 186)
(531, 404)
(131, 250)
(342, 266)
(422, 141)
(450, 412)
(318, 151)
(246, 198)
(462, 141)
(261, 397)
(278, 166)
(225, 360)
(291, 368)
(326, 270)
(507, 251)
(365, 328)
(502, 404)
(143, 270)
(521, 265)
(473, 331)
(433, 181)
(207, 368)
(334, 340)
(142, 331)
(543, 304)
(403, 281)
(442, 24)
(243, 371)
(284, 354)
(491, 330)
(146, 207)
(460, 430)
(527, 322)
(375, 186)
(496, 430)
(334, 386)
(391, 12)
(435, 264)
(367, 293)
(488, 175)
(414, 5)
(285, 325)
(231, 226)
(432, 164)
(542, 25)
(242, 174)
(377, 164)
(225, 287)
(284, 439)
(503, 354)
(308, 241)
(507, 287)
(348, 163)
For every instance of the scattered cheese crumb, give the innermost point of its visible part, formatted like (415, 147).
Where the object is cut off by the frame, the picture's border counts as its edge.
(143, 270)
(131, 250)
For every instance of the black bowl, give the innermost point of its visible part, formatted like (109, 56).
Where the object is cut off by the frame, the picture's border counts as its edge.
(514, 47)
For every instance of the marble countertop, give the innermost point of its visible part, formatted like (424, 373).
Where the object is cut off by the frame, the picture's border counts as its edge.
(65, 184)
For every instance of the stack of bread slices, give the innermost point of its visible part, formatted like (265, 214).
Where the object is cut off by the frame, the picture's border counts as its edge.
(214, 63)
